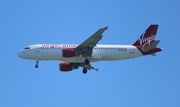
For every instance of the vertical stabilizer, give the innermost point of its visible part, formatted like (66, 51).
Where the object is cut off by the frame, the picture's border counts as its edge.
(148, 36)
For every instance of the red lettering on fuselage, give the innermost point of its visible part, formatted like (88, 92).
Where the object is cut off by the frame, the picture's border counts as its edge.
(69, 46)
(51, 45)
(58, 45)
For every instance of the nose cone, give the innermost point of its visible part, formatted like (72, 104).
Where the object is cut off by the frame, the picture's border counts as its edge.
(19, 54)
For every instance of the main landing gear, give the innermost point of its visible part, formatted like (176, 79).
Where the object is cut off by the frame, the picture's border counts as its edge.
(86, 62)
(37, 62)
(84, 71)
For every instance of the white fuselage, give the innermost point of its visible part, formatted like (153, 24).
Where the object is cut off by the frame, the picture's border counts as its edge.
(100, 52)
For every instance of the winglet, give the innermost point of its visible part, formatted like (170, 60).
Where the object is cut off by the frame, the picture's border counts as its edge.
(96, 69)
(106, 28)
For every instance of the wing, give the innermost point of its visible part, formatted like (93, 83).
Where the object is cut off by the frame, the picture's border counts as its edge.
(85, 48)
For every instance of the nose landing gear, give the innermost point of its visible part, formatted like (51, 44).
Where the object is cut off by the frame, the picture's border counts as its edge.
(37, 62)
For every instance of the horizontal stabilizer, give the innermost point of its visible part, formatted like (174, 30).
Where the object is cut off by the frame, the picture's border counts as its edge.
(153, 54)
(151, 46)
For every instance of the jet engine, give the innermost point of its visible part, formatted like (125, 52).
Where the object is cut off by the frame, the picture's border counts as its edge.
(66, 66)
(68, 52)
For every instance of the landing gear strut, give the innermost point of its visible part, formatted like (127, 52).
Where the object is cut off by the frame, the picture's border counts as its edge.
(84, 71)
(86, 62)
(37, 62)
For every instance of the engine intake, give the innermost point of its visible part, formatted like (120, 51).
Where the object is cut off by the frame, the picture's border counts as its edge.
(68, 52)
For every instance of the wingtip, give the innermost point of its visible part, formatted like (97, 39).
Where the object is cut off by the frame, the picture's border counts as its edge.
(106, 28)
(97, 69)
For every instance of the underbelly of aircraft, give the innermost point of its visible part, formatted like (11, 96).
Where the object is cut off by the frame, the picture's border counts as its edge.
(95, 57)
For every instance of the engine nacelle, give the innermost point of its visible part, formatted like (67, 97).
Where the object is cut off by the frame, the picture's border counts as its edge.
(68, 52)
(66, 66)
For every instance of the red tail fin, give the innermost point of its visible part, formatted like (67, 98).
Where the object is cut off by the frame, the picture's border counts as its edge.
(148, 36)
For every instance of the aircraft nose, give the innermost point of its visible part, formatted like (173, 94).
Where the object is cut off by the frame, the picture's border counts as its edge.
(22, 54)
(19, 54)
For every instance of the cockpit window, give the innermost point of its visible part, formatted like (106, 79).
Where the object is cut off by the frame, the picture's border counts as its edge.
(27, 48)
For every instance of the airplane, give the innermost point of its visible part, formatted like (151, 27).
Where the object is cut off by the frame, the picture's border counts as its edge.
(81, 55)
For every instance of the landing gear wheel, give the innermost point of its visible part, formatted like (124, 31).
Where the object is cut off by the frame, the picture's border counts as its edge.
(37, 62)
(84, 71)
(36, 66)
(86, 61)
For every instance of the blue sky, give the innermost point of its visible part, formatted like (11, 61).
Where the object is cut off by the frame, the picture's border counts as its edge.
(141, 82)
